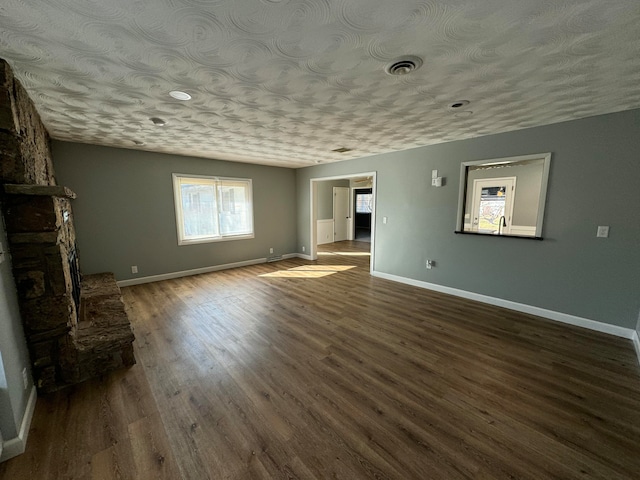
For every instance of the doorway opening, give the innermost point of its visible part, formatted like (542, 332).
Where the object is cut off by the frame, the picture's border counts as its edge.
(343, 213)
(363, 206)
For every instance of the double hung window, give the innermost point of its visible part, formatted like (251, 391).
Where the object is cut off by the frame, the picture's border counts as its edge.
(211, 209)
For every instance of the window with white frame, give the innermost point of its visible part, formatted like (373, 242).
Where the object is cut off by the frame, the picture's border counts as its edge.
(211, 209)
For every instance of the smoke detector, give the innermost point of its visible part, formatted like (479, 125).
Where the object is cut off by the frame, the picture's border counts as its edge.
(404, 66)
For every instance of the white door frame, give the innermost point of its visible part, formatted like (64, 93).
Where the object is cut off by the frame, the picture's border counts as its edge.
(478, 185)
(313, 200)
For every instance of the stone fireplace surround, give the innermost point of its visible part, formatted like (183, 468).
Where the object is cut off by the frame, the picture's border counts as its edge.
(76, 326)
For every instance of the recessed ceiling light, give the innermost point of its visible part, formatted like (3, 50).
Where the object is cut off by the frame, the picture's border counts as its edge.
(158, 121)
(178, 95)
(459, 104)
(139, 142)
(341, 150)
(404, 65)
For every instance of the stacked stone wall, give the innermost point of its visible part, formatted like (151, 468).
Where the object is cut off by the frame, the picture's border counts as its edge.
(25, 153)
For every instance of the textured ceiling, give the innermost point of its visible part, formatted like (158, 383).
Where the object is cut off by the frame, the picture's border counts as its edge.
(283, 82)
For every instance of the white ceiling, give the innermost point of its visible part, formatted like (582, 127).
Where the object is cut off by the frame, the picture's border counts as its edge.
(283, 82)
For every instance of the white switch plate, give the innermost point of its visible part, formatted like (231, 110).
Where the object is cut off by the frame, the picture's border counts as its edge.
(434, 173)
(384, 220)
(603, 231)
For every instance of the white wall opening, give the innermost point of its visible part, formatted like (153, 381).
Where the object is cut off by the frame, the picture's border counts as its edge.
(313, 202)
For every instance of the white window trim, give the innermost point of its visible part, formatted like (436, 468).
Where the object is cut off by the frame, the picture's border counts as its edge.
(177, 202)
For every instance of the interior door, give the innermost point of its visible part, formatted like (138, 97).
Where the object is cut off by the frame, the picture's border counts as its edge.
(340, 213)
(492, 208)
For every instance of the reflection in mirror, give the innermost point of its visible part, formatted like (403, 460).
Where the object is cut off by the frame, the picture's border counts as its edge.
(504, 196)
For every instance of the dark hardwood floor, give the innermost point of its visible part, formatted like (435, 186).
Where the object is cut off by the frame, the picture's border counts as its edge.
(316, 370)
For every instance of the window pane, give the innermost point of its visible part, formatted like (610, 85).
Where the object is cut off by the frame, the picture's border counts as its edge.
(363, 202)
(491, 209)
(198, 209)
(212, 208)
(235, 208)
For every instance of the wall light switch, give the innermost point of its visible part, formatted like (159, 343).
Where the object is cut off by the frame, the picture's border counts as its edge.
(603, 232)
(434, 173)
(384, 220)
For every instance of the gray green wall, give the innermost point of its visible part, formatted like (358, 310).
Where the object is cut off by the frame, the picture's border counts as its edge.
(325, 197)
(124, 212)
(13, 352)
(594, 180)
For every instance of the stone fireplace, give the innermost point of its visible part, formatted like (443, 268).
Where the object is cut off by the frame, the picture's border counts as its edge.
(76, 326)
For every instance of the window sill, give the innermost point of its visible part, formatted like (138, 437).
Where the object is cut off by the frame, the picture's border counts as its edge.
(215, 239)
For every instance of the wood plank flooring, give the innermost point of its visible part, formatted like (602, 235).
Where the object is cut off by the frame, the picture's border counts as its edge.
(315, 370)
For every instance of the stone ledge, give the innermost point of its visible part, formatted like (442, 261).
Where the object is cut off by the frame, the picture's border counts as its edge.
(42, 190)
(103, 339)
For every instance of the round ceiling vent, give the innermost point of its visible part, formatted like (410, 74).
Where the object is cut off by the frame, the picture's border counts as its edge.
(404, 65)
(459, 104)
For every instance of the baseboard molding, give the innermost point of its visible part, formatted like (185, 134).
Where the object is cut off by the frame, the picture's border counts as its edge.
(197, 271)
(303, 256)
(16, 446)
(520, 307)
(636, 343)
(186, 273)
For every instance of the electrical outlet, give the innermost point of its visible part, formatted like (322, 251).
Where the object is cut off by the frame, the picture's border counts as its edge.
(271, 250)
(25, 378)
(431, 264)
(603, 232)
(134, 269)
(303, 248)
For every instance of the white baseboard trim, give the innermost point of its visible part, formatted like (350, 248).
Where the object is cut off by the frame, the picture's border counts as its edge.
(520, 307)
(196, 271)
(186, 273)
(636, 343)
(16, 446)
(304, 257)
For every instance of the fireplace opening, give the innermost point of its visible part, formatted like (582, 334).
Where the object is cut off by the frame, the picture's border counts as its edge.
(74, 270)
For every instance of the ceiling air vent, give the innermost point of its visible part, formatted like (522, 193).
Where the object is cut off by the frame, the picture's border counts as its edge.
(341, 150)
(404, 65)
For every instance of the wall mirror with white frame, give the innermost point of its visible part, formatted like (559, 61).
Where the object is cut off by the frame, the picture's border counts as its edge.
(504, 196)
